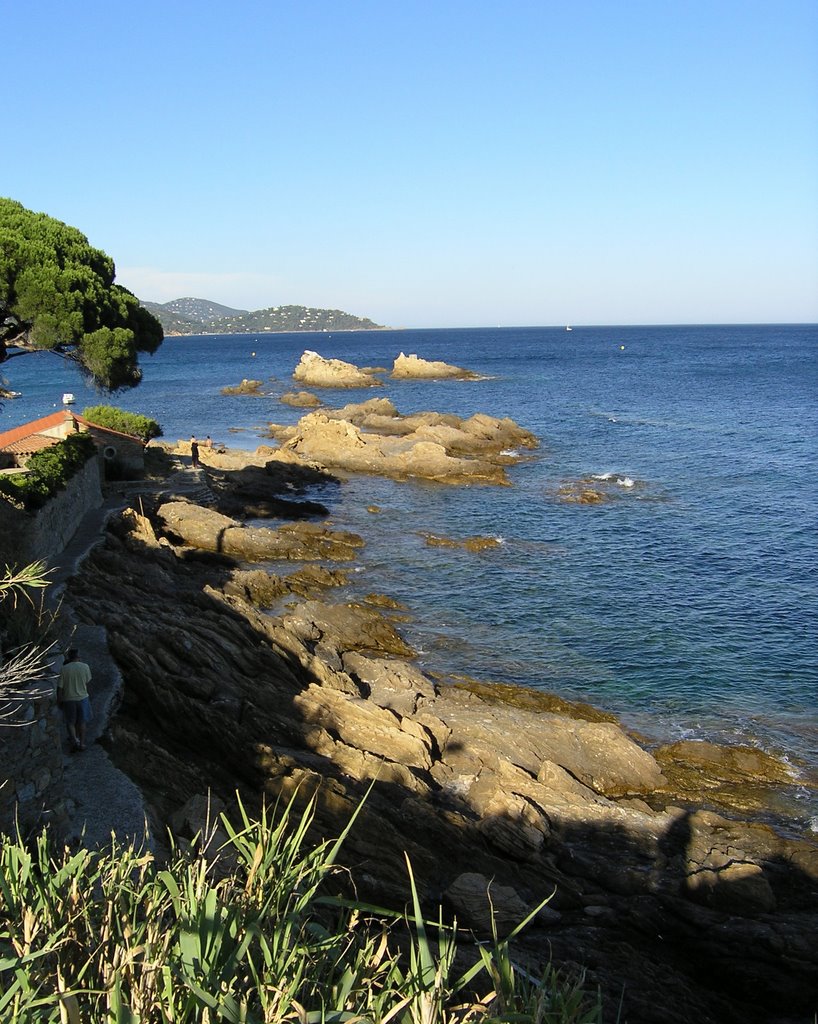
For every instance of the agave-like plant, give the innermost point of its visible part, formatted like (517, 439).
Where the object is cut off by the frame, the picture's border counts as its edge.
(28, 662)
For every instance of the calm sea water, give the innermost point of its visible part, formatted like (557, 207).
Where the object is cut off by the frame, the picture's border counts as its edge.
(687, 602)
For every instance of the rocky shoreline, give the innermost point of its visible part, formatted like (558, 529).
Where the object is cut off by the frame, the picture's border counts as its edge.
(237, 678)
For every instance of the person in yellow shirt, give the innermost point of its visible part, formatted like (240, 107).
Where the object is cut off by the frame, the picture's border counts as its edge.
(72, 697)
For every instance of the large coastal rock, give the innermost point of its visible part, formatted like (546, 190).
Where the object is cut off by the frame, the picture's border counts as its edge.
(203, 528)
(597, 754)
(317, 372)
(372, 437)
(477, 435)
(497, 795)
(341, 445)
(412, 367)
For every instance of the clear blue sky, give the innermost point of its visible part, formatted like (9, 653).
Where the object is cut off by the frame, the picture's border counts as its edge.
(430, 163)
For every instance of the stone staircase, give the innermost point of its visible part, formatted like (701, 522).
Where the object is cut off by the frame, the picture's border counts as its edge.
(188, 484)
(184, 483)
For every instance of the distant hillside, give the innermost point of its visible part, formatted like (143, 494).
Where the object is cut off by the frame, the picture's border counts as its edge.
(200, 316)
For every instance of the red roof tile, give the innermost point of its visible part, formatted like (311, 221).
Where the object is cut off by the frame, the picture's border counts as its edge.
(29, 445)
(55, 419)
(34, 427)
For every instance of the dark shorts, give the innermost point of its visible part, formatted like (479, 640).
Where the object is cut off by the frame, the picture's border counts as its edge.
(76, 711)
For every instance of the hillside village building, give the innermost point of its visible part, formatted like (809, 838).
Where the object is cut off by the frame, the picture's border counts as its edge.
(26, 536)
(20, 443)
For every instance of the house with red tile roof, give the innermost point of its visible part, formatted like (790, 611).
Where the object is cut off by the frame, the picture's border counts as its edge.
(26, 536)
(116, 449)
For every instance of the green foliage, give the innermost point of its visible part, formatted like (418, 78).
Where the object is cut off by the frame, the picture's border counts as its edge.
(125, 422)
(58, 292)
(48, 471)
(111, 352)
(248, 936)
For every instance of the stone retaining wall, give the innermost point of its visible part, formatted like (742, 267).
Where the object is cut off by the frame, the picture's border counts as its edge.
(26, 537)
(31, 762)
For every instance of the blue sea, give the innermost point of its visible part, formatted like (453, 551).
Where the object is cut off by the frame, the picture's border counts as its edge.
(686, 602)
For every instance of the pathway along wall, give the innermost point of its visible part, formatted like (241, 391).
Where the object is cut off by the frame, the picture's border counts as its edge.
(31, 761)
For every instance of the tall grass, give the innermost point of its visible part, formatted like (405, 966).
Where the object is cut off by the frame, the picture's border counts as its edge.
(253, 935)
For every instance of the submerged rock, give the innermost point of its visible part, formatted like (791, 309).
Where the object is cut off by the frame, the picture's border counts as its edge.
(475, 544)
(600, 488)
(247, 387)
(579, 494)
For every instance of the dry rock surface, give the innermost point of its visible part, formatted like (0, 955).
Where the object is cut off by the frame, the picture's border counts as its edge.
(203, 528)
(412, 367)
(301, 399)
(373, 437)
(317, 372)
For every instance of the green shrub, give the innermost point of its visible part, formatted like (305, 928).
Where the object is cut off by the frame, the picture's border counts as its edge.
(15, 490)
(48, 471)
(125, 422)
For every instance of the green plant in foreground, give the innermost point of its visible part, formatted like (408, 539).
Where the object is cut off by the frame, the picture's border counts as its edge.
(251, 936)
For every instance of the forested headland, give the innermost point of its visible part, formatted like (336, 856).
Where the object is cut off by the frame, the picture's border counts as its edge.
(201, 316)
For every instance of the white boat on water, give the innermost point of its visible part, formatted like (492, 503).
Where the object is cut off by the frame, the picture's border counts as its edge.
(67, 398)
(568, 327)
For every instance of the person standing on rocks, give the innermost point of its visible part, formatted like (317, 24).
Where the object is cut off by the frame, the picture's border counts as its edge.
(72, 697)
(194, 452)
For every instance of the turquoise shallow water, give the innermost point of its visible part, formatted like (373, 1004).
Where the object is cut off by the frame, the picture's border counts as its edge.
(687, 603)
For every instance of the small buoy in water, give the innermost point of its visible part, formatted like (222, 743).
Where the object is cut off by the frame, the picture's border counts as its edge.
(621, 348)
(253, 354)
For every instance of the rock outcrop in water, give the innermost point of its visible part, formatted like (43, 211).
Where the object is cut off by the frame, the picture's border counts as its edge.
(317, 372)
(301, 399)
(208, 530)
(372, 437)
(246, 387)
(699, 916)
(412, 367)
